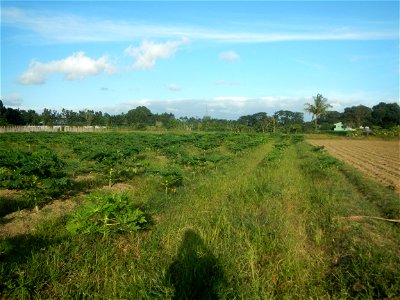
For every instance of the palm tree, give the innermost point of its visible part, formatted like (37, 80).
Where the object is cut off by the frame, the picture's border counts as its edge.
(319, 107)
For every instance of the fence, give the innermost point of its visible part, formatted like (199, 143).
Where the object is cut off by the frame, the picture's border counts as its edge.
(5, 129)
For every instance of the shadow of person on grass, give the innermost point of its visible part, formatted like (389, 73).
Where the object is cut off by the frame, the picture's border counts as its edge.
(195, 273)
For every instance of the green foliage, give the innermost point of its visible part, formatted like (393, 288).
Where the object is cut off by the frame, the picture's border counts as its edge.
(107, 213)
(357, 116)
(242, 142)
(290, 225)
(281, 145)
(296, 138)
(40, 174)
(89, 160)
(393, 132)
(386, 115)
(318, 164)
(317, 109)
(318, 148)
(274, 157)
(327, 161)
(171, 178)
(206, 142)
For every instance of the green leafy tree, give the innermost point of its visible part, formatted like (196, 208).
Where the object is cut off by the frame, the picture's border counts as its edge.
(329, 118)
(49, 117)
(260, 122)
(3, 120)
(13, 116)
(140, 117)
(166, 120)
(357, 116)
(386, 115)
(30, 117)
(319, 107)
(289, 120)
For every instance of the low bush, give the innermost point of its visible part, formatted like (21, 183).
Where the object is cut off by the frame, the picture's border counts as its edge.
(107, 213)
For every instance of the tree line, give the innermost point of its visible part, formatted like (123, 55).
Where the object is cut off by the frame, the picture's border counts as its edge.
(382, 115)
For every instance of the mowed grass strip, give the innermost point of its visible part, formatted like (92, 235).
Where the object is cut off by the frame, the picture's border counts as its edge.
(251, 229)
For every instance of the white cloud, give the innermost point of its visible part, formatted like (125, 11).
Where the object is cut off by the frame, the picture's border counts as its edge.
(236, 101)
(173, 87)
(51, 27)
(149, 52)
(34, 75)
(12, 100)
(74, 67)
(230, 56)
(278, 101)
(231, 107)
(172, 109)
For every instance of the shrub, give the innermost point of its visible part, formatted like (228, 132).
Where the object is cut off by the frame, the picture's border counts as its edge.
(107, 213)
(318, 148)
(296, 138)
(326, 162)
(171, 179)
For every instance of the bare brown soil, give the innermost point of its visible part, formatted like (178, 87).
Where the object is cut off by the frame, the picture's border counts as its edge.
(379, 160)
(25, 221)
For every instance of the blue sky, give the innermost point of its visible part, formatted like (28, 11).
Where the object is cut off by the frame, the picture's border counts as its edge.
(228, 58)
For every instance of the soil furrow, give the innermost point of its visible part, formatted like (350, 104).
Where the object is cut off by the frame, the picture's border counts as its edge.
(378, 164)
(379, 160)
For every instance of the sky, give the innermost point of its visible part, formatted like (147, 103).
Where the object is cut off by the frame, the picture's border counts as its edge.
(221, 59)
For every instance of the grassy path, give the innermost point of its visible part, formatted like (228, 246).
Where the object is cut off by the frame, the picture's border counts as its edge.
(254, 228)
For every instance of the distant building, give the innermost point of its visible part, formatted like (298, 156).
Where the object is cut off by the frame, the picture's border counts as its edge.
(339, 127)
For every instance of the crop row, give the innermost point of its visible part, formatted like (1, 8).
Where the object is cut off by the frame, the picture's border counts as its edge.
(47, 165)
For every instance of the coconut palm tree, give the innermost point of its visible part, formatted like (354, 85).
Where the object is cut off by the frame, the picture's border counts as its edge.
(319, 107)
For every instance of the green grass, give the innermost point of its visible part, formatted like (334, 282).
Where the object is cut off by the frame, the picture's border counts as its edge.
(266, 223)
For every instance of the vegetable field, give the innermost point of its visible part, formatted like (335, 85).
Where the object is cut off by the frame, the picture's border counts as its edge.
(190, 216)
(379, 160)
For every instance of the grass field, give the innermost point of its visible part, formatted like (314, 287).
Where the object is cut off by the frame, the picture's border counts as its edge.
(192, 216)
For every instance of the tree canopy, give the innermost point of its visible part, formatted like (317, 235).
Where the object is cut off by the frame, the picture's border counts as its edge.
(319, 107)
(384, 115)
(357, 116)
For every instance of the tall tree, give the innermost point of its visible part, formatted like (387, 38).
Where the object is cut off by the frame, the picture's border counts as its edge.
(357, 116)
(3, 120)
(49, 117)
(13, 116)
(330, 117)
(166, 120)
(319, 107)
(287, 119)
(140, 117)
(30, 117)
(386, 115)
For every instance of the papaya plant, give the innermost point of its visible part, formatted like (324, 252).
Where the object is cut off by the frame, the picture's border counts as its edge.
(107, 213)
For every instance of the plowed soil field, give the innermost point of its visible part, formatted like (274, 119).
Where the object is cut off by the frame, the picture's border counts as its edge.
(379, 160)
